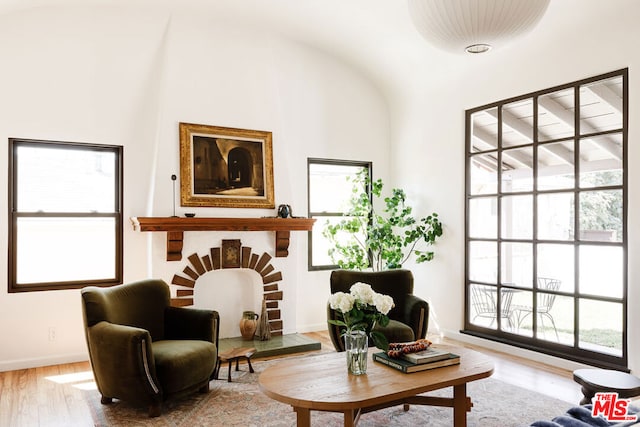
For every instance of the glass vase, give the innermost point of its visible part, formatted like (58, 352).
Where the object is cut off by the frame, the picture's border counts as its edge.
(356, 346)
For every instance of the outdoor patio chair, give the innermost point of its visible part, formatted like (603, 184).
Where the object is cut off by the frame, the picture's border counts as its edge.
(544, 306)
(483, 301)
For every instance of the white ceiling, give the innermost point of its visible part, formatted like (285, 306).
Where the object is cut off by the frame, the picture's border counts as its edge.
(375, 36)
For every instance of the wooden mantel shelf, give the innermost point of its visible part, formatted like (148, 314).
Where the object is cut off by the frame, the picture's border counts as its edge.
(175, 226)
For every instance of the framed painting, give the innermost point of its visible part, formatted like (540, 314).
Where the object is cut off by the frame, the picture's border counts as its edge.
(225, 167)
(231, 253)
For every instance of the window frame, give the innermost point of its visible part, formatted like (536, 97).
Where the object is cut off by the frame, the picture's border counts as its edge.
(312, 214)
(571, 352)
(14, 215)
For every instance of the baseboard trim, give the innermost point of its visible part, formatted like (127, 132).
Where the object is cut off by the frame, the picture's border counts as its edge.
(516, 351)
(14, 365)
(316, 327)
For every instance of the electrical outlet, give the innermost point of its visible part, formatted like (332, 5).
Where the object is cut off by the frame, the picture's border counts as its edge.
(52, 333)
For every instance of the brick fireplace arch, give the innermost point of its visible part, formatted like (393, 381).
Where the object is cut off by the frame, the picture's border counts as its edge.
(200, 266)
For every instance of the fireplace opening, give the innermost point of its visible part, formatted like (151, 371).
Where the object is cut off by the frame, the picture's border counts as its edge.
(229, 292)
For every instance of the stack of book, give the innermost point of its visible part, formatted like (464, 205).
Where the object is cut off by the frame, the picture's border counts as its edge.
(421, 361)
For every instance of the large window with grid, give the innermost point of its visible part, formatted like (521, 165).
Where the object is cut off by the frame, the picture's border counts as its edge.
(330, 188)
(65, 215)
(546, 259)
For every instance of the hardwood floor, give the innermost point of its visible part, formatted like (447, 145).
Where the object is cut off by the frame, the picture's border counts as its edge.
(56, 395)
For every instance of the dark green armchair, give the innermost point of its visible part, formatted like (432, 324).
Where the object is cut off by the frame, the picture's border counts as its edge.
(408, 320)
(144, 351)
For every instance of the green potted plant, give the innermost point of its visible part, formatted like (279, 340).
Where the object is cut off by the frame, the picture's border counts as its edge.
(367, 238)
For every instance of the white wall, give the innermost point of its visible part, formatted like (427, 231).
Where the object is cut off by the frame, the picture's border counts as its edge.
(429, 125)
(128, 76)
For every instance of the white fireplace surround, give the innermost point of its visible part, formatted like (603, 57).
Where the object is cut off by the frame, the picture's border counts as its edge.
(231, 290)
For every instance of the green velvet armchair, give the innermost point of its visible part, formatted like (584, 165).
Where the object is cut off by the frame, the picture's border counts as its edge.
(144, 351)
(408, 320)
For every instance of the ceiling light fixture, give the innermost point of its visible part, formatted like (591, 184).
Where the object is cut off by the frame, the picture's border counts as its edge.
(475, 26)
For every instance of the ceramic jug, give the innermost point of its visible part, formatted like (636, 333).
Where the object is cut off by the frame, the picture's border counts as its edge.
(248, 325)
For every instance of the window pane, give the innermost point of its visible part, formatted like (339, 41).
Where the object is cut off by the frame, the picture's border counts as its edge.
(555, 216)
(517, 217)
(517, 123)
(601, 161)
(483, 217)
(516, 266)
(556, 166)
(601, 216)
(601, 326)
(484, 130)
(329, 186)
(484, 174)
(65, 249)
(483, 262)
(601, 270)
(555, 318)
(521, 304)
(556, 115)
(65, 180)
(601, 106)
(483, 309)
(321, 246)
(517, 170)
(557, 261)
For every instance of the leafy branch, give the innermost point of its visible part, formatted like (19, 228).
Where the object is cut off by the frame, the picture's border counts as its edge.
(365, 238)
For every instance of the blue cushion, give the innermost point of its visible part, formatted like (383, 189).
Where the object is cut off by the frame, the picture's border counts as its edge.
(580, 416)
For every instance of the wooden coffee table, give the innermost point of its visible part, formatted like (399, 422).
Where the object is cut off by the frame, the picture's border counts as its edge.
(321, 383)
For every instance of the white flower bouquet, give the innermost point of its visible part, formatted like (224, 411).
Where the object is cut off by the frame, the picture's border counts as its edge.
(361, 309)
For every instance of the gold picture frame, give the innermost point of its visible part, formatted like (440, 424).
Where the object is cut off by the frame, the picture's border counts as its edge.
(225, 167)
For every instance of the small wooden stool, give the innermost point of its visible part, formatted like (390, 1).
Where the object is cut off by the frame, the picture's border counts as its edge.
(234, 355)
(604, 380)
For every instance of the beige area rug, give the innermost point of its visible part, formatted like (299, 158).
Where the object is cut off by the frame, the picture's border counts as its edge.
(240, 403)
